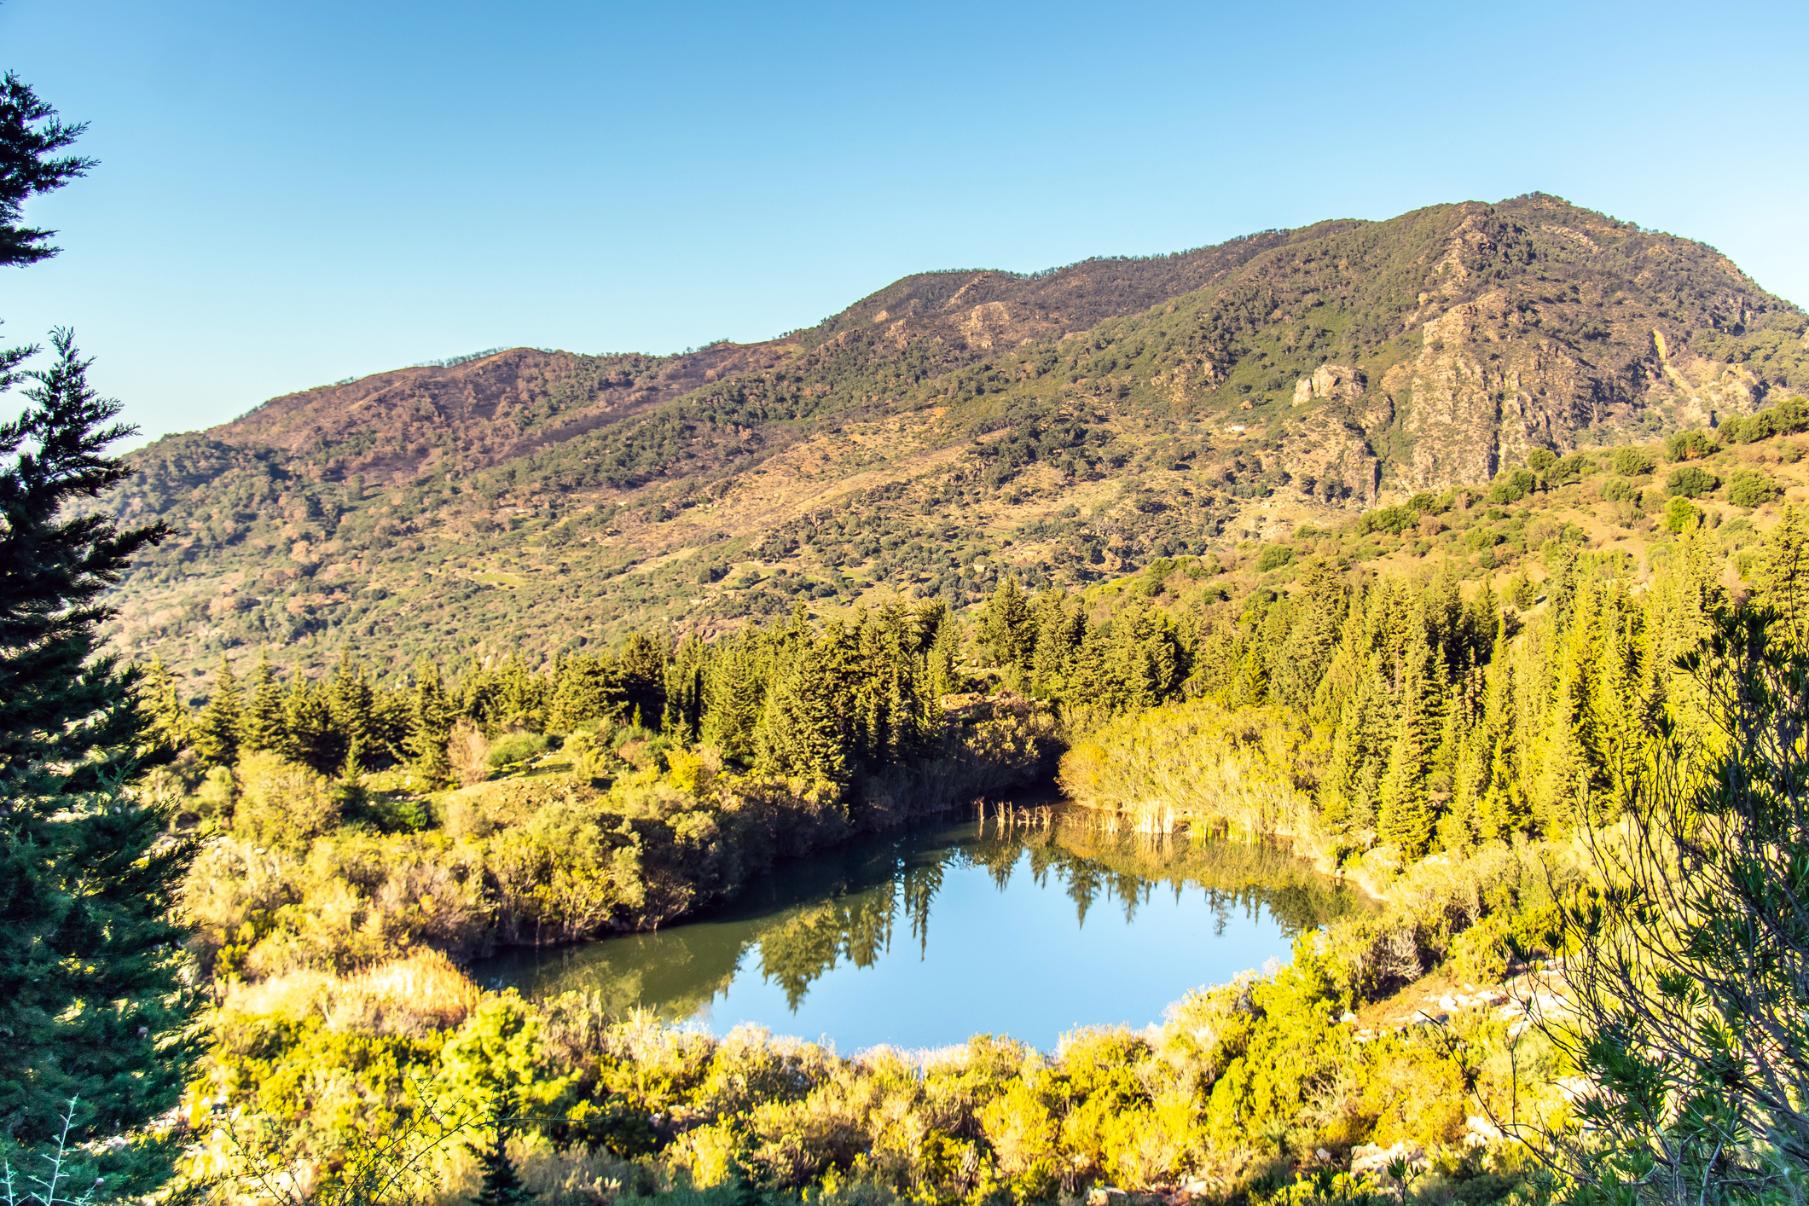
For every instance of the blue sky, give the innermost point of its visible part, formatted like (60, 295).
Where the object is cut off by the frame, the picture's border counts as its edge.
(291, 194)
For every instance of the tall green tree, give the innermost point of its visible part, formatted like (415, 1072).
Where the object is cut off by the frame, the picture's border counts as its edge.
(262, 726)
(805, 721)
(1404, 811)
(1007, 629)
(430, 717)
(93, 1006)
(167, 715)
(217, 730)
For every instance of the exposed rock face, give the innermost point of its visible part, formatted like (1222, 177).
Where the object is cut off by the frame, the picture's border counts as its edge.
(1331, 382)
(985, 324)
(1472, 401)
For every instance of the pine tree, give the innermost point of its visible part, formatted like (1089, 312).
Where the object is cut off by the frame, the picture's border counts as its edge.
(429, 726)
(167, 718)
(261, 726)
(944, 668)
(1312, 637)
(498, 1182)
(1007, 634)
(351, 704)
(683, 715)
(217, 731)
(1405, 815)
(91, 1005)
(734, 697)
(642, 660)
(310, 736)
(803, 730)
(587, 688)
(1060, 629)
(1784, 578)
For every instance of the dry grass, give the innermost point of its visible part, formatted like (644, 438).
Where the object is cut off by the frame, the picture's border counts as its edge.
(418, 993)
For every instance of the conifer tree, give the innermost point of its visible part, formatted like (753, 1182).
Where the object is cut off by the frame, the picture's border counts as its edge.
(167, 718)
(1312, 637)
(351, 706)
(1404, 813)
(92, 1006)
(429, 726)
(310, 736)
(499, 1184)
(261, 727)
(217, 731)
(944, 661)
(90, 1002)
(685, 673)
(642, 667)
(1007, 635)
(802, 732)
(586, 688)
(1784, 578)
(520, 699)
(734, 697)
(1060, 630)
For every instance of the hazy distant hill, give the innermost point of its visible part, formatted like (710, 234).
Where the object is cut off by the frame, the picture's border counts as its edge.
(1063, 426)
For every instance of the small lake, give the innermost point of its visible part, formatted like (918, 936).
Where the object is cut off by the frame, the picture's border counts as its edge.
(924, 938)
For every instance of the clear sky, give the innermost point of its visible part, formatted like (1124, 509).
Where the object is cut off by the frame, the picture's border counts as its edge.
(294, 193)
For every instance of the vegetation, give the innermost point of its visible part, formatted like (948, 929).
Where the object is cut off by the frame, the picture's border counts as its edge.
(1565, 760)
(93, 1009)
(1691, 964)
(949, 432)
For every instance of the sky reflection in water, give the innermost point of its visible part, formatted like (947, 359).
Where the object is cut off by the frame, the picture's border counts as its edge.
(923, 939)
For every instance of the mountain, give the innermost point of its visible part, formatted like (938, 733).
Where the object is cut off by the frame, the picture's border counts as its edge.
(1063, 426)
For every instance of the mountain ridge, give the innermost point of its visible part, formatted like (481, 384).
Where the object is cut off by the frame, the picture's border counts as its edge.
(1063, 425)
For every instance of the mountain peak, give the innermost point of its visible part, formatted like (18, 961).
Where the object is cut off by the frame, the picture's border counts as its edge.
(1065, 425)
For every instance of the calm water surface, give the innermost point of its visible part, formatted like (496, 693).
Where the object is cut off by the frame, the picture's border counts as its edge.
(925, 938)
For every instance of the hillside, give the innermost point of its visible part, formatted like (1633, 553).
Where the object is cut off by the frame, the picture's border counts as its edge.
(1066, 426)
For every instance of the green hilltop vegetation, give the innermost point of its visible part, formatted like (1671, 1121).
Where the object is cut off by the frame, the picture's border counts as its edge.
(953, 429)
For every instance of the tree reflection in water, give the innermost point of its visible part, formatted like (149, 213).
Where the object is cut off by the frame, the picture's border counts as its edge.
(844, 908)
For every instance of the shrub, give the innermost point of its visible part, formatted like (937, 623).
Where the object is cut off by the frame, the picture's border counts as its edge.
(1691, 481)
(1681, 517)
(1619, 489)
(282, 804)
(1572, 468)
(1750, 488)
(1393, 520)
(1633, 462)
(1273, 557)
(469, 753)
(1689, 446)
(1786, 417)
(1512, 486)
(1541, 459)
(513, 748)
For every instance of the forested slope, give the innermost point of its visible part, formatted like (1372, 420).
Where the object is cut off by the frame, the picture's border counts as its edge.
(952, 429)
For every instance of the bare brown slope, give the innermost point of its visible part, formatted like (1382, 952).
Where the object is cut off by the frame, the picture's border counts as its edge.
(400, 426)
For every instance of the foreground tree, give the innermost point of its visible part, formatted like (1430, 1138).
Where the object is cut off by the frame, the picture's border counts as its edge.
(93, 1010)
(1690, 973)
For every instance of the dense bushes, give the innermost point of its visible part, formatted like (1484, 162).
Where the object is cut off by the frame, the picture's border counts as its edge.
(550, 858)
(1245, 1083)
